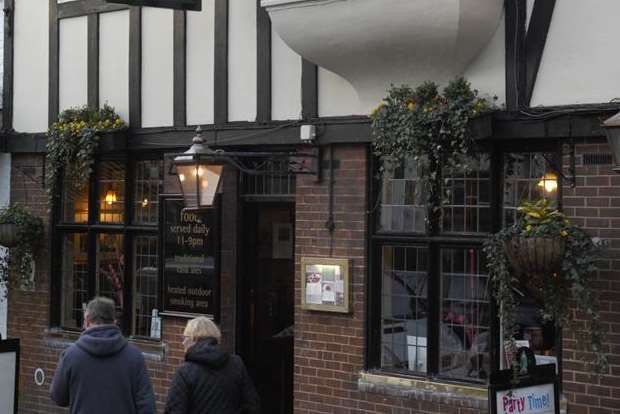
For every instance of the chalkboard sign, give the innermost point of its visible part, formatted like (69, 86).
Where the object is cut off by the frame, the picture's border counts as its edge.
(168, 4)
(190, 282)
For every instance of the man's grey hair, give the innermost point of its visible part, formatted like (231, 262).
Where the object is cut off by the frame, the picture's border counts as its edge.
(101, 311)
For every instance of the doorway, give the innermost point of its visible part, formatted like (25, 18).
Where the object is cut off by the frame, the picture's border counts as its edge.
(267, 301)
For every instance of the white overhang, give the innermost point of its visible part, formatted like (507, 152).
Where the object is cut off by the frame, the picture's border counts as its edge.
(375, 43)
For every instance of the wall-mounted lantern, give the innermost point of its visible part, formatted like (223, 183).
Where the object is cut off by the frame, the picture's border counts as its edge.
(199, 174)
(612, 130)
(549, 183)
(200, 168)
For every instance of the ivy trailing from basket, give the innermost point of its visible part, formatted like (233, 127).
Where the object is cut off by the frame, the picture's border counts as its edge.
(72, 143)
(568, 284)
(16, 267)
(428, 127)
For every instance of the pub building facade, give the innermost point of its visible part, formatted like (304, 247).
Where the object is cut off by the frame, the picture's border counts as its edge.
(404, 322)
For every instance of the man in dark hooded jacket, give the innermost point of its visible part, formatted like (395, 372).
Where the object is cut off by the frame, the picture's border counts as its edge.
(210, 380)
(101, 372)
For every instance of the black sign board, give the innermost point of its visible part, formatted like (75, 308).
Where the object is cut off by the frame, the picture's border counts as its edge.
(168, 4)
(537, 392)
(191, 280)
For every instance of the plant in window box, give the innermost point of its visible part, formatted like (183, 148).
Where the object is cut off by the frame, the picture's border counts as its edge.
(552, 260)
(437, 130)
(73, 141)
(23, 241)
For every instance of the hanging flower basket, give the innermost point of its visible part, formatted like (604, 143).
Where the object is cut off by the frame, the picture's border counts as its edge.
(534, 259)
(9, 234)
(544, 257)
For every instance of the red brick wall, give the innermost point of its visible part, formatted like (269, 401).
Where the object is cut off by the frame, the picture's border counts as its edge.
(595, 205)
(28, 312)
(329, 348)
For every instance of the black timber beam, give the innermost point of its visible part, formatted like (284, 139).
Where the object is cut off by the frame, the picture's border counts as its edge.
(559, 124)
(54, 68)
(515, 15)
(93, 60)
(535, 41)
(7, 96)
(179, 69)
(86, 7)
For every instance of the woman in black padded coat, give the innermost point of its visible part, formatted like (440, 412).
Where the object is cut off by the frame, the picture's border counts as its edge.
(210, 380)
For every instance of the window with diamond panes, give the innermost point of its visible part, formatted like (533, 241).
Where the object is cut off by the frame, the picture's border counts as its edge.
(404, 316)
(402, 208)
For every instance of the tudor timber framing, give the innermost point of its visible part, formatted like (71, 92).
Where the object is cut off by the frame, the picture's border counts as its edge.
(263, 65)
(524, 49)
(179, 68)
(85, 7)
(535, 41)
(7, 97)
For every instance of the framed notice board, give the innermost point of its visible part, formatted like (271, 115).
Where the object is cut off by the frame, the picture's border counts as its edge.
(189, 261)
(325, 284)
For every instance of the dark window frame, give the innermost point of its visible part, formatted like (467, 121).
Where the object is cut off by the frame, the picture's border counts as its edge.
(93, 228)
(434, 240)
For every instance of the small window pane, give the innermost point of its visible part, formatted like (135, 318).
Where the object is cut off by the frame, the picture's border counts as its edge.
(74, 269)
(468, 209)
(149, 184)
(402, 201)
(145, 285)
(111, 267)
(111, 180)
(74, 203)
(465, 323)
(404, 304)
(522, 172)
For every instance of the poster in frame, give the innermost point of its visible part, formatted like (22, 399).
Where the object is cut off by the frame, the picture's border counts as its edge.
(325, 284)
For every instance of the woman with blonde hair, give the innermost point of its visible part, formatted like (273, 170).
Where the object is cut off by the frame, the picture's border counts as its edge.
(210, 380)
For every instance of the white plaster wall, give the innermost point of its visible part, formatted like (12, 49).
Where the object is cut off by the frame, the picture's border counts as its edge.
(114, 61)
(486, 73)
(242, 60)
(200, 69)
(5, 194)
(286, 80)
(581, 62)
(157, 67)
(31, 63)
(73, 62)
(336, 95)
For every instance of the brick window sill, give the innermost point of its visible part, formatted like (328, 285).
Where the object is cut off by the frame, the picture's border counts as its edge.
(469, 396)
(61, 339)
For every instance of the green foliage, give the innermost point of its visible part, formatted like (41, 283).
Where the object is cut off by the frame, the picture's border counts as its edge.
(16, 267)
(570, 285)
(72, 142)
(428, 127)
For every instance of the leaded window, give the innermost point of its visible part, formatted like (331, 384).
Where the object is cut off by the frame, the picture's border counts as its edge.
(108, 246)
(431, 313)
